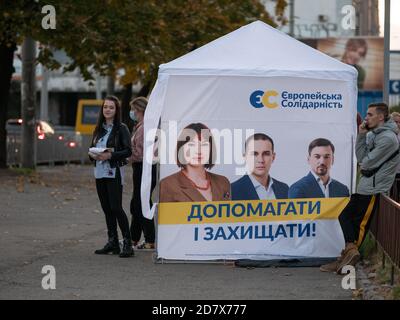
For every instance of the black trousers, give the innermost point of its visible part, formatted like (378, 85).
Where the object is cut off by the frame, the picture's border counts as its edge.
(109, 191)
(356, 217)
(139, 223)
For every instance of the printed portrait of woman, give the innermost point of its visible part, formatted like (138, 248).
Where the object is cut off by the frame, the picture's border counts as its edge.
(363, 53)
(195, 156)
(355, 51)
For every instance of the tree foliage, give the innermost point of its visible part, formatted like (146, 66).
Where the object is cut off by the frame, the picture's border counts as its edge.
(105, 35)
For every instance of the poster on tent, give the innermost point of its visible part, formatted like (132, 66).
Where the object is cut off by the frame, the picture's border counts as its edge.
(274, 158)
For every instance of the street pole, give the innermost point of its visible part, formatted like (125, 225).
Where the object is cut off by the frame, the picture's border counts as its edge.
(44, 95)
(386, 57)
(110, 85)
(28, 99)
(291, 18)
(98, 87)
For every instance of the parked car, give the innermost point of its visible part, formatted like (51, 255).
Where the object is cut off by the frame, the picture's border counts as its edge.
(53, 143)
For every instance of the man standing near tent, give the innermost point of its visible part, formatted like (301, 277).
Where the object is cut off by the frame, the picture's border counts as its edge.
(377, 151)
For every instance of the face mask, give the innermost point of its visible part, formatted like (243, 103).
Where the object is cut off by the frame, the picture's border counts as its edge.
(132, 115)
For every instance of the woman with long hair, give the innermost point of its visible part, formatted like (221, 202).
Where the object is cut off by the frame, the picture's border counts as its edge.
(112, 136)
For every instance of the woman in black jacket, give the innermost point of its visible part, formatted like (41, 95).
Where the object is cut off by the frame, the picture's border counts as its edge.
(114, 136)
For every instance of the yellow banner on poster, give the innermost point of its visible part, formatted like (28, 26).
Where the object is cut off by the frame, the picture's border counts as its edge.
(250, 211)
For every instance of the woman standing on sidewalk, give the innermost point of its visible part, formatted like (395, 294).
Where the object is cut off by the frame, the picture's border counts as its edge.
(110, 133)
(140, 223)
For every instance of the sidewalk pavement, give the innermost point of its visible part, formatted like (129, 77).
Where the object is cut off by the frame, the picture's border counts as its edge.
(55, 219)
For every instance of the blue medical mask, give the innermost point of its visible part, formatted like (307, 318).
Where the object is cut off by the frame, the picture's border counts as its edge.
(132, 115)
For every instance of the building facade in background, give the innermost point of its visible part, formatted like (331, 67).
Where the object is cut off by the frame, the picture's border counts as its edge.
(317, 23)
(64, 91)
(320, 25)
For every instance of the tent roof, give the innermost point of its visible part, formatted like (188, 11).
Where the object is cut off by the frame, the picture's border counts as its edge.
(256, 47)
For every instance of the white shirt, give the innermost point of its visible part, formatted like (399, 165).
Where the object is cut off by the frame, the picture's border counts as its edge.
(102, 168)
(264, 193)
(324, 188)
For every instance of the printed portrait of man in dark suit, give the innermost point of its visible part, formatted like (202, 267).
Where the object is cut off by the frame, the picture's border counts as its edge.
(257, 184)
(318, 183)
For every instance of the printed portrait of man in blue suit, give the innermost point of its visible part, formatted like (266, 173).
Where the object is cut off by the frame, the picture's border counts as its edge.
(257, 184)
(318, 183)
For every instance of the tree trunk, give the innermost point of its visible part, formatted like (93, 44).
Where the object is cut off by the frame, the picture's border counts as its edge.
(28, 97)
(126, 98)
(110, 85)
(6, 71)
(145, 90)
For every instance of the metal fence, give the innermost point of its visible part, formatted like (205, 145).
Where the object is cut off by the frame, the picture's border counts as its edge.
(395, 192)
(385, 228)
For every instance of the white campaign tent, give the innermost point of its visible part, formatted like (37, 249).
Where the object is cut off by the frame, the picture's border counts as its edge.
(253, 80)
(254, 50)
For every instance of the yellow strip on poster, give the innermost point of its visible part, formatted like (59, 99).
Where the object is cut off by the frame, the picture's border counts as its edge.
(173, 213)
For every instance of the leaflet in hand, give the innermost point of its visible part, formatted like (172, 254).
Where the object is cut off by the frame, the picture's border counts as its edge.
(99, 150)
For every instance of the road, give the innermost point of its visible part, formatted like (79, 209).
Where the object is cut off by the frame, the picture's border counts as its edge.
(55, 219)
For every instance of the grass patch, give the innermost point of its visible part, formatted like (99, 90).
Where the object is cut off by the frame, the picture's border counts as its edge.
(23, 171)
(396, 293)
(373, 254)
(368, 247)
(383, 274)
